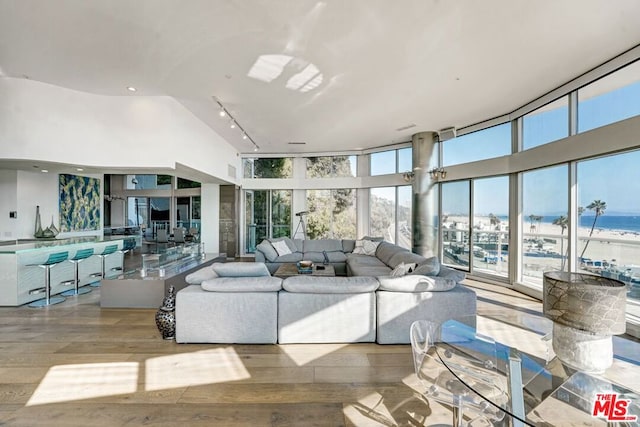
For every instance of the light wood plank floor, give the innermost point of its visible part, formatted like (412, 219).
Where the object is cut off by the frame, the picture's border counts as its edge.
(75, 364)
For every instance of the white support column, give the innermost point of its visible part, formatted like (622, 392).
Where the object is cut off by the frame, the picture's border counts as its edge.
(210, 212)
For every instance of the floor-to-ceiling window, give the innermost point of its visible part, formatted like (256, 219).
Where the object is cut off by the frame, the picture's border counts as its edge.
(455, 224)
(608, 218)
(491, 226)
(544, 212)
(332, 214)
(390, 214)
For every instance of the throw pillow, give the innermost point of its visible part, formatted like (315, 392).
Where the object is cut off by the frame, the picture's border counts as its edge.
(403, 269)
(365, 247)
(281, 248)
(428, 267)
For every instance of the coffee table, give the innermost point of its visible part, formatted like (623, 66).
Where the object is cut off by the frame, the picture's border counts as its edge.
(531, 383)
(289, 270)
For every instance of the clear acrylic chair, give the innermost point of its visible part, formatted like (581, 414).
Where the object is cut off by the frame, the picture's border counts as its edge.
(460, 391)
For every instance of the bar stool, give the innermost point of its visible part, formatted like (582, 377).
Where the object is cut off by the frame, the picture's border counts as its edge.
(128, 245)
(80, 255)
(52, 261)
(108, 250)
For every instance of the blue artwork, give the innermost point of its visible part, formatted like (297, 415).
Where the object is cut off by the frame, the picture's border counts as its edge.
(79, 203)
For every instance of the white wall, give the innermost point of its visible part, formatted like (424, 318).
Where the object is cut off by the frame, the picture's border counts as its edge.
(210, 223)
(9, 200)
(39, 121)
(42, 189)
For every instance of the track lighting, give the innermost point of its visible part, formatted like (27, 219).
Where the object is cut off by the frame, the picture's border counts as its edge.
(234, 124)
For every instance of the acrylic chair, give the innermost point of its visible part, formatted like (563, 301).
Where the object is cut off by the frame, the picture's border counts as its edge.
(445, 387)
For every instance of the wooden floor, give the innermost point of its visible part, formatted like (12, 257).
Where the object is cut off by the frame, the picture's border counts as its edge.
(75, 364)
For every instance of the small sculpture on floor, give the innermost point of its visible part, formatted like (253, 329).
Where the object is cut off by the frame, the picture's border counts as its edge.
(166, 315)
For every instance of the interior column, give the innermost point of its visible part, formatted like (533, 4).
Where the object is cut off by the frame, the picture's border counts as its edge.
(425, 195)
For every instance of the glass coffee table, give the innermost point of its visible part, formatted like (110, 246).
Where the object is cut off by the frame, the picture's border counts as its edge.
(539, 391)
(290, 269)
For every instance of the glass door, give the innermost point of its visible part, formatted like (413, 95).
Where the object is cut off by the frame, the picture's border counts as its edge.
(455, 224)
(267, 215)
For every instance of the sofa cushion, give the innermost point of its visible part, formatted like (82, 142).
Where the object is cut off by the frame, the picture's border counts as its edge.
(365, 247)
(293, 257)
(429, 267)
(348, 245)
(243, 284)
(198, 276)
(353, 259)
(406, 257)
(369, 270)
(281, 248)
(290, 243)
(318, 257)
(268, 250)
(387, 250)
(241, 269)
(330, 285)
(415, 283)
(328, 245)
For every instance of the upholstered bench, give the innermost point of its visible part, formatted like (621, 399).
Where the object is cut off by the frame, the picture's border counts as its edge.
(327, 310)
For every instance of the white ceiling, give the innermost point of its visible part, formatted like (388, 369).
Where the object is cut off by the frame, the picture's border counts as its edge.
(336, 74)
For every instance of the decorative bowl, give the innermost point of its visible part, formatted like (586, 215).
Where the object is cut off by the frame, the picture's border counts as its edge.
(305, 264)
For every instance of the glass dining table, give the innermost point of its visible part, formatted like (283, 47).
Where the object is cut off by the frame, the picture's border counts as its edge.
(535, 390)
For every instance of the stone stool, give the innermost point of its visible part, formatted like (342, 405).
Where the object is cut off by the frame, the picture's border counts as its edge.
(80, 255)
(52, 261)
(108, 250)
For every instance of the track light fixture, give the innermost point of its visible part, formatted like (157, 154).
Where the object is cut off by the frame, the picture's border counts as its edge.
(233, 123)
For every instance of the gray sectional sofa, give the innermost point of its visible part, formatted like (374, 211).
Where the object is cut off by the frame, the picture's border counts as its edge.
(382, 290)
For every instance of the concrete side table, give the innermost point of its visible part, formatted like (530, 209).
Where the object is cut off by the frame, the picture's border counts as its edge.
(586, 311)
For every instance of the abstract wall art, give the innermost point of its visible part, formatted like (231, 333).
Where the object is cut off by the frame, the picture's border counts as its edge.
(80, 203)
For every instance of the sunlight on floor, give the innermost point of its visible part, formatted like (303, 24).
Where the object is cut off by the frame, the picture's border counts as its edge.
(197, 368)
(302, 354)
(75, 382)
(522, 339)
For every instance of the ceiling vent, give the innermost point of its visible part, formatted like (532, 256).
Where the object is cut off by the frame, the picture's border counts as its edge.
(296, 143)
(447, 133)
(412, 125)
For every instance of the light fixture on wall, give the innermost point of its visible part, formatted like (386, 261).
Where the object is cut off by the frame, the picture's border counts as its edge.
(233, 123)
(437, 173)
(408, 176)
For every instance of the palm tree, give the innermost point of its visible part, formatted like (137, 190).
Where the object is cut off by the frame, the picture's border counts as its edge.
(563, 222)
(598, 206)
(532, 218)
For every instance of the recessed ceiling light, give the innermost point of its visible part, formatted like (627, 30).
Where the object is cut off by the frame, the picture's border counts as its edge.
(244, 136)
(222, 113)
(131, 89)
(44, 171)
(233, 125)
(255, 149)
(79, 169)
